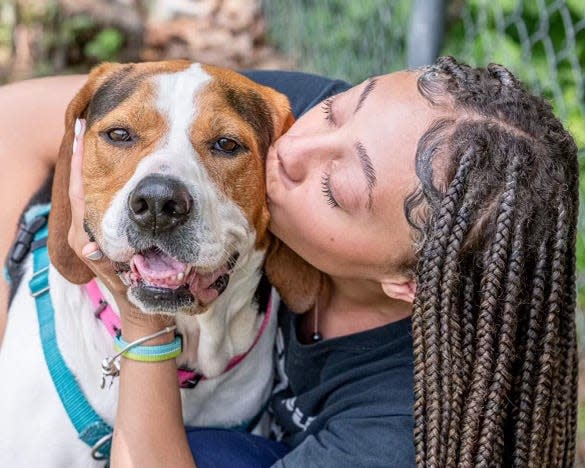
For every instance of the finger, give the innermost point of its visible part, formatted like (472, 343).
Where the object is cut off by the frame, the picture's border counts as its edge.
(103, 268)
(76, 196)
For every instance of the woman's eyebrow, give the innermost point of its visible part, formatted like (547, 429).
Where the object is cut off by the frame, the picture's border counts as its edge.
(367, 90)
(368, 170)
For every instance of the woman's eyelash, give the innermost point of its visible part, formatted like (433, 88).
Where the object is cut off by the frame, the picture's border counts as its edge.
(327, 107)
(326, 190)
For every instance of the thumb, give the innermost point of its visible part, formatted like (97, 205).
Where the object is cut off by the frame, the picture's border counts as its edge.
(92, 251)
(76, 194)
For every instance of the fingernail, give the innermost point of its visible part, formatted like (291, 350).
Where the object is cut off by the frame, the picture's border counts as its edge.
(77, 133)
(95, 255)
(124, 278)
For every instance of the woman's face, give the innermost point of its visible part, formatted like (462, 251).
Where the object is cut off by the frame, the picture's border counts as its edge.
(337, 180)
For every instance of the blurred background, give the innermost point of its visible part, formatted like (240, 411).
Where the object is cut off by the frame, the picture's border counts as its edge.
(541, 41)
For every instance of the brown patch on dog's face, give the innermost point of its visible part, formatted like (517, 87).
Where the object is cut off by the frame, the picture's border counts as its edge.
(252, 117)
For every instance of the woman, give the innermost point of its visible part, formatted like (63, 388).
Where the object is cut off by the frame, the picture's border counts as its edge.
(448, 194)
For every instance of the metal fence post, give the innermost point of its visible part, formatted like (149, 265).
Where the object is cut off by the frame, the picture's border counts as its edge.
(425, 32)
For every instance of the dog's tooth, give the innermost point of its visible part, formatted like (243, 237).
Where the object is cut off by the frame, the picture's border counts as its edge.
(180, 276)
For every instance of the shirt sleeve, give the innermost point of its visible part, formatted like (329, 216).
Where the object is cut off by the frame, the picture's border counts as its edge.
(356, 442)
(303, 90)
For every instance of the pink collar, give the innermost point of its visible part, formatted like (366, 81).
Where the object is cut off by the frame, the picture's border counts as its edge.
(187, 378)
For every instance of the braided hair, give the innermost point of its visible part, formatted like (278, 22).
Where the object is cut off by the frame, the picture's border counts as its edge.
(493, 318)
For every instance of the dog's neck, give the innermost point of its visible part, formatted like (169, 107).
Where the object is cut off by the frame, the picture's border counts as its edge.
(228, 328)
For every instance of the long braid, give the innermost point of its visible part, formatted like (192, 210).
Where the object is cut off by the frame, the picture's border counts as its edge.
(492, 433)
(566, 456)
(456, 324)
(437, 333)
(493, 318)
(470, 288)
(529, 358)
(491, 286)
(544, 403)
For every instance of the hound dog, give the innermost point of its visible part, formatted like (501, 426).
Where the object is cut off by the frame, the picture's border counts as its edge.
(174, 184)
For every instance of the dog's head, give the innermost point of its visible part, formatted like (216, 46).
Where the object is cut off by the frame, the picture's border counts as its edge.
(174, 180)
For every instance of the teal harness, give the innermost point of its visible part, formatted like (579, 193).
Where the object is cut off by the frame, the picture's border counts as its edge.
(92, 429)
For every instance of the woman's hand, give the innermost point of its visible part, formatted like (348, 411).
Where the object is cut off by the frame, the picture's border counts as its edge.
(135, 324)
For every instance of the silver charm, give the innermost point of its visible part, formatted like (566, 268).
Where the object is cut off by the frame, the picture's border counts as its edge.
(111, 364)
(111, 369)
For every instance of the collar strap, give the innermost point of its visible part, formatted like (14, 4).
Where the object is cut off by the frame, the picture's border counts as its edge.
(103, 310)
(187, 378)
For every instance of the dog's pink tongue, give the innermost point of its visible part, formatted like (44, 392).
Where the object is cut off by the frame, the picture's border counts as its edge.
(159, 269)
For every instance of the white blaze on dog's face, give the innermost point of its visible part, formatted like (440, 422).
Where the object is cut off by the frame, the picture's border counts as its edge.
(174, 178)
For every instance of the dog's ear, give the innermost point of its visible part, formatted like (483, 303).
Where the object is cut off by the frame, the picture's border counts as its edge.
(62, 255)
(298, 283)
(282, 115)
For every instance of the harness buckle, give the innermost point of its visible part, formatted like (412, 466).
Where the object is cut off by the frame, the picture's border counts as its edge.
(95, 450)
(100, 308)
(25, 238)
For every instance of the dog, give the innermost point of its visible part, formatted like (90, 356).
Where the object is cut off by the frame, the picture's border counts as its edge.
(174, 184)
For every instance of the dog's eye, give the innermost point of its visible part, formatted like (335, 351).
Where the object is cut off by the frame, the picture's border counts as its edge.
(118, 135)
(226, 145)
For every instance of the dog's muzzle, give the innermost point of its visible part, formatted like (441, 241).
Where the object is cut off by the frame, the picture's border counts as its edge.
(158, 207)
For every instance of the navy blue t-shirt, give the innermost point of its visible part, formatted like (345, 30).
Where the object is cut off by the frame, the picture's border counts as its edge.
(347, 401)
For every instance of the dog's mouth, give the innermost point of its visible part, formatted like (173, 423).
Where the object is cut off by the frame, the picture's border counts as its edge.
(159, 277)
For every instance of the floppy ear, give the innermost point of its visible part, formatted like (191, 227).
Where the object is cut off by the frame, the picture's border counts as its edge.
(282, 115)
(62, 255)
(297, 281)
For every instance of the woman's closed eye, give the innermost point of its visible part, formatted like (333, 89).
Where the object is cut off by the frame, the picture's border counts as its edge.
(327, 191)
(327, 107)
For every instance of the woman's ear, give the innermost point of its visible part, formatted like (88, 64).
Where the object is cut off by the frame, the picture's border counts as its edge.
(400, 288)
(297, 282)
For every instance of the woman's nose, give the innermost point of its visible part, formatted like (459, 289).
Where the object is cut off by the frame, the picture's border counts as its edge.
(299, 154)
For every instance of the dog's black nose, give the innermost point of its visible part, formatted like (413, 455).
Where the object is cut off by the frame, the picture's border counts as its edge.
(159, 203)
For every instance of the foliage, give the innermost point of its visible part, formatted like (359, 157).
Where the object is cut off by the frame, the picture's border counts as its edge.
(350, 40)
(105, 45)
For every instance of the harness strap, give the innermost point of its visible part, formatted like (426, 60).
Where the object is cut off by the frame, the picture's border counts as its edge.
(92, 429)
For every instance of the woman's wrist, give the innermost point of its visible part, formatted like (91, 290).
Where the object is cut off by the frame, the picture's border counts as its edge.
(136, 325)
